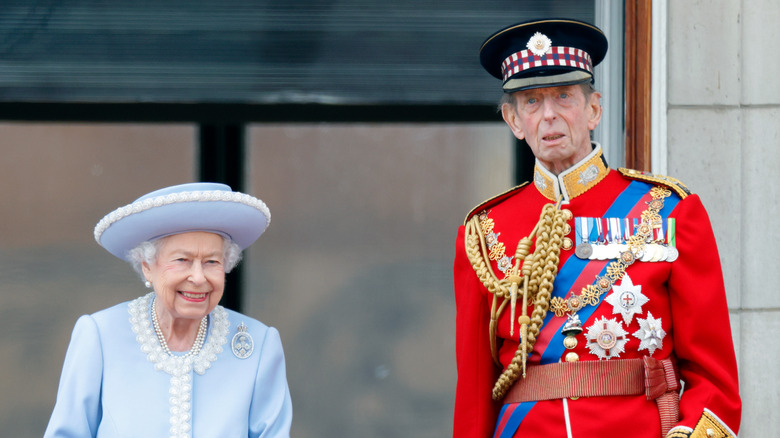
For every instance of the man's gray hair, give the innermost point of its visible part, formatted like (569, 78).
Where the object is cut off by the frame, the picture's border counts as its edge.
(147, 252)
(587, 89)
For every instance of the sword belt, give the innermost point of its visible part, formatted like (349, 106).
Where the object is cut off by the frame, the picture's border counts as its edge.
(657, 379)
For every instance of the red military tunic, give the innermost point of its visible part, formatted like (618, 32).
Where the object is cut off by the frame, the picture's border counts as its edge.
(686, 297)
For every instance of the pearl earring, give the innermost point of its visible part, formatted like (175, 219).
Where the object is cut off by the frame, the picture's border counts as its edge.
(148, 284)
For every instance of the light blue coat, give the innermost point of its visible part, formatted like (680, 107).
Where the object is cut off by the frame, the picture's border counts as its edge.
(109, 388)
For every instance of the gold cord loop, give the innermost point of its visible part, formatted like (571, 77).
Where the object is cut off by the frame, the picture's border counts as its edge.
(536, 269)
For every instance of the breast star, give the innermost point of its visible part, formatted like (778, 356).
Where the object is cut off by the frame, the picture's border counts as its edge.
(627, 299)
(650, 333)
(606, 338)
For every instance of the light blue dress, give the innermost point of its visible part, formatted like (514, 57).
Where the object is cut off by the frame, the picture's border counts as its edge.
(117, 381)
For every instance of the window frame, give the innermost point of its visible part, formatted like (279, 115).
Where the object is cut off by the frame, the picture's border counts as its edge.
(223, 126)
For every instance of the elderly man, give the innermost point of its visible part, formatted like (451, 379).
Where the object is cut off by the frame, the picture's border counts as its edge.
(590, 302)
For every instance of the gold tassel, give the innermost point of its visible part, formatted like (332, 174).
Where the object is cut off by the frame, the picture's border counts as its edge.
(524, 320)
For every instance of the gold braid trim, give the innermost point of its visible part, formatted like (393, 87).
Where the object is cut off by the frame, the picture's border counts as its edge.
(709, 426)
(477, 252)
(538, 273)
(495, 199)
(667, 181)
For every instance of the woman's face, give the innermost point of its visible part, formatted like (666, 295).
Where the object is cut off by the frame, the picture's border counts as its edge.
(188, 275)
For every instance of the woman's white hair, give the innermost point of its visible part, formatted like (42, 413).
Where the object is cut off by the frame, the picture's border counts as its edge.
(147, 252)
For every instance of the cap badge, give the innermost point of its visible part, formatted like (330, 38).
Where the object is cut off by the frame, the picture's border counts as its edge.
(539, 44)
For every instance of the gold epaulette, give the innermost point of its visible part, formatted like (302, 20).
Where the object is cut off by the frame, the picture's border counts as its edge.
(667, 181)
(493, 201)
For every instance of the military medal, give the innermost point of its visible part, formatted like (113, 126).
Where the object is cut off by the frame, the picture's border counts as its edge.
(671, 240)
(584, 249)
(599, 249)
(664, 253)
(601, 240)
(658, 251)
(607, 238)
(598, 252)
(615, 231)
(647, 255)
(243, 345)
(612, 251)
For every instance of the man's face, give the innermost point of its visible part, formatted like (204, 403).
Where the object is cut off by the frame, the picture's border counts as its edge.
(555, 122)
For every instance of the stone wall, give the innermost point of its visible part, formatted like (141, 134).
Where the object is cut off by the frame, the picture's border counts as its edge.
(723, 138)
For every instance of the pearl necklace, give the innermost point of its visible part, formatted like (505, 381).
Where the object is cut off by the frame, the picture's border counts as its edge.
(199, 339)
(180, 368)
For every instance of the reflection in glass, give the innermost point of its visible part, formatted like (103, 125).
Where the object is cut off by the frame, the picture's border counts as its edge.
(355, 268)
(58, 180)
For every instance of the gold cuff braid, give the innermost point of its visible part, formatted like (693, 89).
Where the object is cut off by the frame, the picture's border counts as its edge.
(709, 426)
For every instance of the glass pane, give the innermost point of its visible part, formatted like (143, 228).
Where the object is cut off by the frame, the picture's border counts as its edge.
(58, 180)
(257, 51)
(356, 267)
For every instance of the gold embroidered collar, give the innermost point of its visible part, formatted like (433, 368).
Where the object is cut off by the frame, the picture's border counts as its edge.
(573, 181)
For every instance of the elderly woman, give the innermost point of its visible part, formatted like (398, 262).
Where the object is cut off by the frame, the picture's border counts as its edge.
(173, 361)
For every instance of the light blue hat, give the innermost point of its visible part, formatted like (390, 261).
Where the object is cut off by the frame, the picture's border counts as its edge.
(183, 208)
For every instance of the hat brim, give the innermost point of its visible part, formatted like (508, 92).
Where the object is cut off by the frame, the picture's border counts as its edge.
(555, 78)
(197, 207)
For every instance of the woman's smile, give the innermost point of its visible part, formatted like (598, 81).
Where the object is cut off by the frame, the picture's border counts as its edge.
(194, 296)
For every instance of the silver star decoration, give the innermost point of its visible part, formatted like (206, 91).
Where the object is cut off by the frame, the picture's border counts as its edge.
(606, 338)
(627, 299)
(650, 333)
